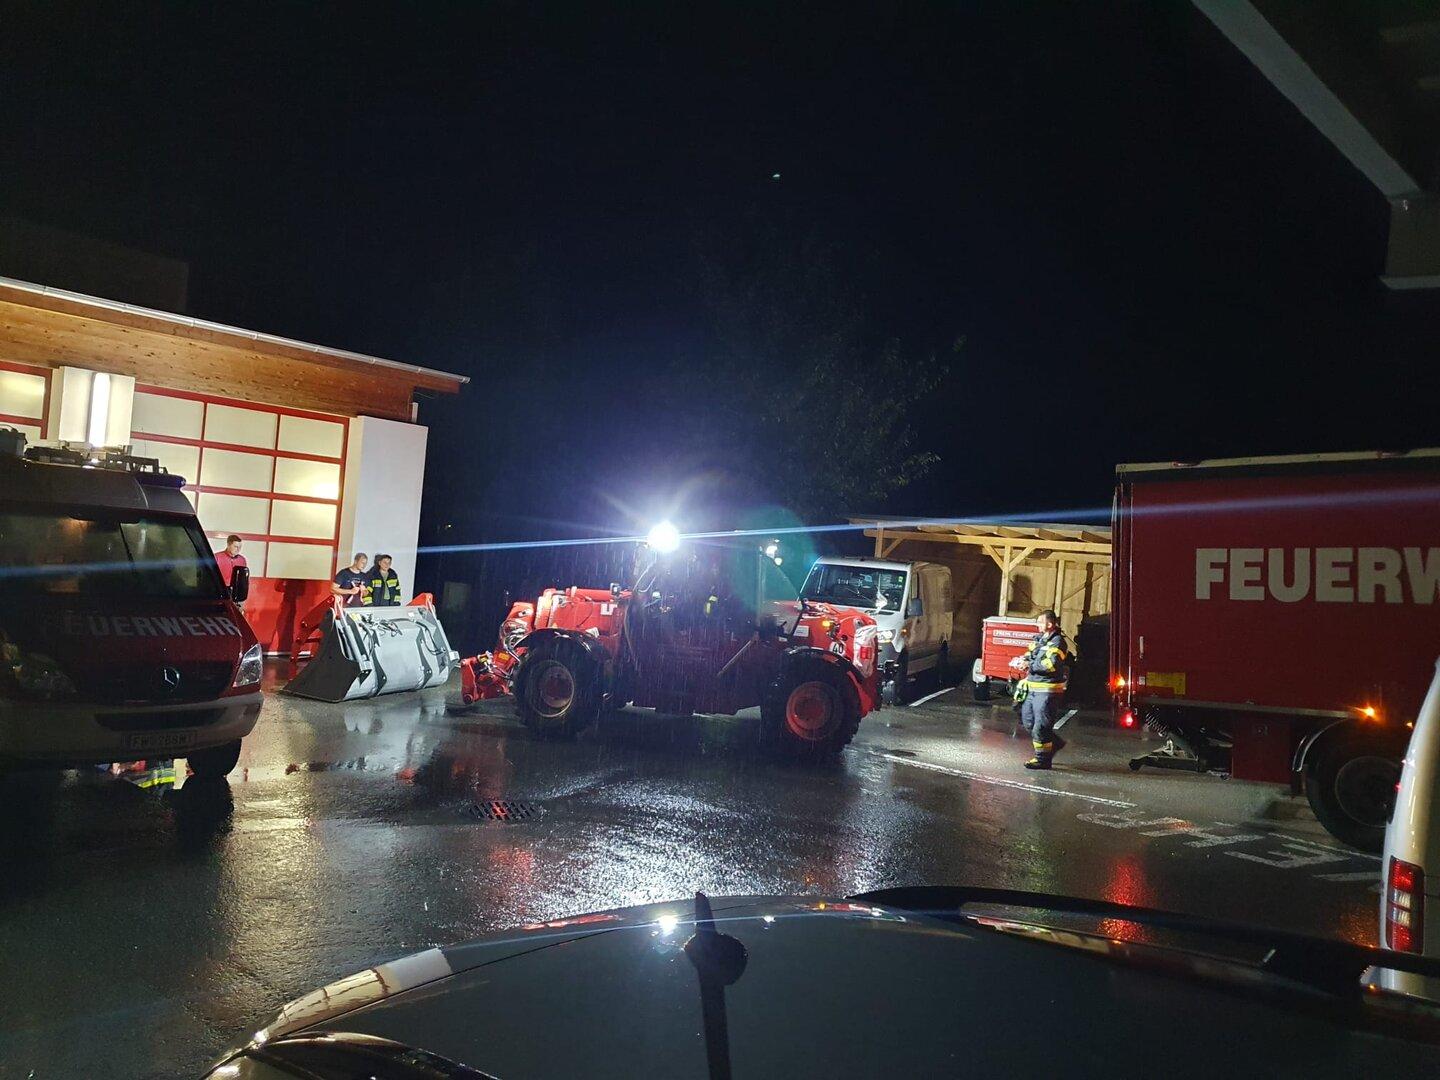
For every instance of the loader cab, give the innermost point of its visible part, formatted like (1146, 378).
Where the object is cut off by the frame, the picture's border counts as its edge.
(714, 589)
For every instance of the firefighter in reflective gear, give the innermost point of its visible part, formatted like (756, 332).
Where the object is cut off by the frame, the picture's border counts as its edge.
(384, 584)
(1044, 670)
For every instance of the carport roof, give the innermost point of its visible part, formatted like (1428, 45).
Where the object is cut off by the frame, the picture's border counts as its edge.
(1080, 539)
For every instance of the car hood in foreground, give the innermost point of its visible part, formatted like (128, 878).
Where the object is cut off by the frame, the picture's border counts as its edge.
(837, 987)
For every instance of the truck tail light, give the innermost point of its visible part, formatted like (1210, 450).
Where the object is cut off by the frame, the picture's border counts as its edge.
(1127, 718)
(1405, 906)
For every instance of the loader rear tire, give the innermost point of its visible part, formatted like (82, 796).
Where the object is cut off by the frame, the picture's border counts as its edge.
(810, 712)
(557, 689)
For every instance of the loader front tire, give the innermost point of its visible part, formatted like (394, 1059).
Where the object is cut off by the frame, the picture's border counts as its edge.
(810, 712)
(558, 689)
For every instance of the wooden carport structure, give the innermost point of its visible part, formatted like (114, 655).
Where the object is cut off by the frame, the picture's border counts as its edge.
(1035, 566)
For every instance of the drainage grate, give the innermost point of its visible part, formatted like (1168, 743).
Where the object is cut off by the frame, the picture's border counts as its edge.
(507, 810)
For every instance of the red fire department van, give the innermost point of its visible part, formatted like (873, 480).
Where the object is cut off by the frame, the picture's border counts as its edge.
(1278, 618)
(118, 639)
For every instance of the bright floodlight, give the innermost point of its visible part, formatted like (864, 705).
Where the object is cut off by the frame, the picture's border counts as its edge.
(664, 538)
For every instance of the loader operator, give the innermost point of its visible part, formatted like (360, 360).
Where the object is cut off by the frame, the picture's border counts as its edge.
(1044, 670)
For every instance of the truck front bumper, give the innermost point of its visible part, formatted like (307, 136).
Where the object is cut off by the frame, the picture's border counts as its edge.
(65, 733)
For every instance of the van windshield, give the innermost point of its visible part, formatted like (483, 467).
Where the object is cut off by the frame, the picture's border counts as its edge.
(49, 554)
(856, 586)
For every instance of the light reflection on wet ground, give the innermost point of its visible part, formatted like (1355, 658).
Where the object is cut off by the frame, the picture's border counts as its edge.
(146, 928)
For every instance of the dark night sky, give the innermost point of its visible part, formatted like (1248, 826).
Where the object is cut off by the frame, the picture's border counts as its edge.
(1151, 254)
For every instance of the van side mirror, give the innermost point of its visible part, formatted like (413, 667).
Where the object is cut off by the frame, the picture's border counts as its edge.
(239, 583)
(914, 609)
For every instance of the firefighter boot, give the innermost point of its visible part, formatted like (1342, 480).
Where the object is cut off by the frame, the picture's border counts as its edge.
(1043, 753)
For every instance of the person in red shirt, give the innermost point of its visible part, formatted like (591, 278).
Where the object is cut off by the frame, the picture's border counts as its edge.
(230, 558)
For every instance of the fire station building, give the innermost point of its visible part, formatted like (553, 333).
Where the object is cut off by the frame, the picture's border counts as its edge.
(308, 453)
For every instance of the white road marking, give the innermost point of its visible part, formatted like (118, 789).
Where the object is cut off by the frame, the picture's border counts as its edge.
(981, 778)
(1330, 847)
(1296, 857)
(1292, 853)
(931, 697)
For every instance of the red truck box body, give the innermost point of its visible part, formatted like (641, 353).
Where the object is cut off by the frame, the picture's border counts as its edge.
(1003, 639)
(1304, 587)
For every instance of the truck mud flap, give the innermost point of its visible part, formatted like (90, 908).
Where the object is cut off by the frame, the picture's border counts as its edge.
(365, 652)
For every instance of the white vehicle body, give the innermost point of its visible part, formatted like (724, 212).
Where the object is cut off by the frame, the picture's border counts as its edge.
(1410, 916)
(911, 603)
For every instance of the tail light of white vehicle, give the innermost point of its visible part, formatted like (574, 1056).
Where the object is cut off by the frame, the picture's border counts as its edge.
(1405, 906)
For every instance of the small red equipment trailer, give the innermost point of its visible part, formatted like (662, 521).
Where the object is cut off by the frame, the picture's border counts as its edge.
(698, 632)
(1003, 638)
(1278, 619)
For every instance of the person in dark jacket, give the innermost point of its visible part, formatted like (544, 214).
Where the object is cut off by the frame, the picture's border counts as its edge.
(1044, 672)
(385, 584)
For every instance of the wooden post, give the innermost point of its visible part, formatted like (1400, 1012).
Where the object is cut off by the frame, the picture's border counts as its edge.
(1059, 584)
(879, 539)
(1005, 570)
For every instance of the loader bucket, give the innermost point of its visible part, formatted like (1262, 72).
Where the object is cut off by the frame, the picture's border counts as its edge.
(358, 652)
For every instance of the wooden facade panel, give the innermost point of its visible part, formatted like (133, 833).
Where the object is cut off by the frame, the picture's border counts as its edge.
(53, 339)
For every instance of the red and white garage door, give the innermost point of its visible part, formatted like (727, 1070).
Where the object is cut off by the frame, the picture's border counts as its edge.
(271, 475)
(24, 399)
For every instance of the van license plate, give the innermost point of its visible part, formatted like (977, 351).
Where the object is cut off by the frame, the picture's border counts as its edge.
(160, 740)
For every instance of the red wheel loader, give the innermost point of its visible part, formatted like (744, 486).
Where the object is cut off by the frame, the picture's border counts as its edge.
(701, 630)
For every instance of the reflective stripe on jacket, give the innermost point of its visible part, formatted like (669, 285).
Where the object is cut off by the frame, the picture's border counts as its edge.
(1048, 664)
(385, 589)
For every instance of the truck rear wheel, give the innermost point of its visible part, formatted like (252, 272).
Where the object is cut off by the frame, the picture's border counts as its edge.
(216, 761)
(1350, 783)
(557, 689)
(812, 711)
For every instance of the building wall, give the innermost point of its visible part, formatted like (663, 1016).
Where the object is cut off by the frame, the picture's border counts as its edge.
(382, 493)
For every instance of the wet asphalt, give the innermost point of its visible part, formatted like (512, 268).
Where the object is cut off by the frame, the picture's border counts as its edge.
(145, 929)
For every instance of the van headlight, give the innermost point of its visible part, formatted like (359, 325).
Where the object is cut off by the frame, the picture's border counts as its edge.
(252, 667)
(886, 637)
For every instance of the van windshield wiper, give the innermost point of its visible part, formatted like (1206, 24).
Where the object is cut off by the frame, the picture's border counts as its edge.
(1324, 964)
